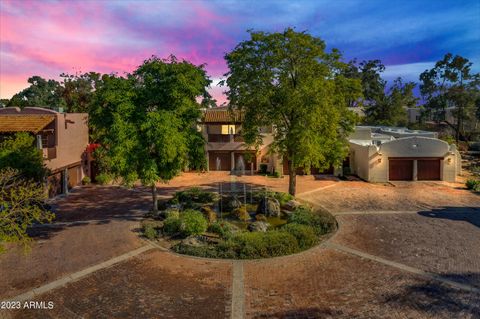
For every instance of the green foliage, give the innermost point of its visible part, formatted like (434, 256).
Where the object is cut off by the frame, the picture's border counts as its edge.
(41, 92)
(473, 184)
(250, 245)
(221, 228)
(19, 152)
(449, 139)
(321, 222)
(103, 178)
(382, 106)
(196, 151)
(282, 197)
(172, 213)
(145, 121)
(288, 80)
(241, 213)
(194, 195)
(172, 225)
(193, 223)
(86, 180)
(305, 235)
(149, 230)
(22, 203)
(451, 83)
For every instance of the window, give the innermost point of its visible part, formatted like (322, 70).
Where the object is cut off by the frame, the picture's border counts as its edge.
(44, 141)
(228, 129)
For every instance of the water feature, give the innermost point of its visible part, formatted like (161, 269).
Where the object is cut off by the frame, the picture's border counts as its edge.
(241, 165)
(218, 163)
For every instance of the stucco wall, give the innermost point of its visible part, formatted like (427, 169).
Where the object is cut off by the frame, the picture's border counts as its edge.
(71, 139)
(372, 164)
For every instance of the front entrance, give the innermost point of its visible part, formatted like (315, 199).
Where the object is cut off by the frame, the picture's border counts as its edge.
(400, 169)
(219, 161)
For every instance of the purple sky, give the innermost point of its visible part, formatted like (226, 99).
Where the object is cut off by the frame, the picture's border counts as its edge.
(47, 38)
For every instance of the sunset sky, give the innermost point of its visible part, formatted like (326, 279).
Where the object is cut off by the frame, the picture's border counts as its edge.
(47, 38)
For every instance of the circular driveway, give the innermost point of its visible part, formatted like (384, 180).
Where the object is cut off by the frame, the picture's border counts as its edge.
(422, 261)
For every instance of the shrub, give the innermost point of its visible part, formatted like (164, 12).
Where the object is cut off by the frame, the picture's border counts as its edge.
(241, 213)
(261, 218)
(190, 198)
(473, 184)
(149, 231)
(221, 228)
(260, 245)
(86, 180)
(209, 214)
(322, 222)
(304, 234)
(283, 198)
(172, 225)
(172, 213)
(103, 179)
(193, 223)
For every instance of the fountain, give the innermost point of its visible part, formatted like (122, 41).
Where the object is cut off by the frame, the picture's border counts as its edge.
(218, 163)
(241, 165)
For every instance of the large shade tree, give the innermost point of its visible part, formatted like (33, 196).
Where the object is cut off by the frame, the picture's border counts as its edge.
(288, 81)
(41, 92)
(451, 83)
(145, 121)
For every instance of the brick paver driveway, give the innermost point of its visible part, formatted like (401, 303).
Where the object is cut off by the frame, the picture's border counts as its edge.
(402, 251)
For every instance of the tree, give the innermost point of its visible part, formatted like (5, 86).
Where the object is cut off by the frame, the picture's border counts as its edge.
(79, 89)
(19, 152)
(41, 92)
(382, 105)
(21, 205)
(145, 121)
(288, 81)
(452, 84)
(390, 108)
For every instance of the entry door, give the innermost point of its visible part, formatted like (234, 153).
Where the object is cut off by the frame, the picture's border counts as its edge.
(400, 169)
(428, 169)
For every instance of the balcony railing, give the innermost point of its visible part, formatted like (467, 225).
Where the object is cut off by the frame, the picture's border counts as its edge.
(49, 153)
(224, 138)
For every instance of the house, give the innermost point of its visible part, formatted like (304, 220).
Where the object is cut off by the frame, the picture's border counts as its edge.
(62, 137)
(225, 147)
(382, 154)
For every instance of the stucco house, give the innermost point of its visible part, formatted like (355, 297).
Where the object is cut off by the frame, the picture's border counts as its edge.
(62, 137)
(225, 147)
(382, 154)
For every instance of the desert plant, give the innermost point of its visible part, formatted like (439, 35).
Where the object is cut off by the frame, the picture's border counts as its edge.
(473, 184)
(241, 213)
(193, 223)
(172, 213)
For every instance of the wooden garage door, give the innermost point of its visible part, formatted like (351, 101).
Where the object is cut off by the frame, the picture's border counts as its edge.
(400, 169)
(428, 169)
(224, 161)
(74, 176)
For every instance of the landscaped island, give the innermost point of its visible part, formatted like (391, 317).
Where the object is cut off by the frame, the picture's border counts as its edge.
(260, 224)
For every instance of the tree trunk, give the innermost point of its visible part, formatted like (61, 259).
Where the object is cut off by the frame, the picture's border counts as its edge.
(154, 197)
(292, 182)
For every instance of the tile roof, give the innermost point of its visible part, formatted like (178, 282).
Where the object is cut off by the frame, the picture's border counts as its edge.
(24, 123)
(222, 115)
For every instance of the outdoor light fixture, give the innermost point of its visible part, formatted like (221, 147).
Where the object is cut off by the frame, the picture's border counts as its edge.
(379, 160)
(449, 161)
